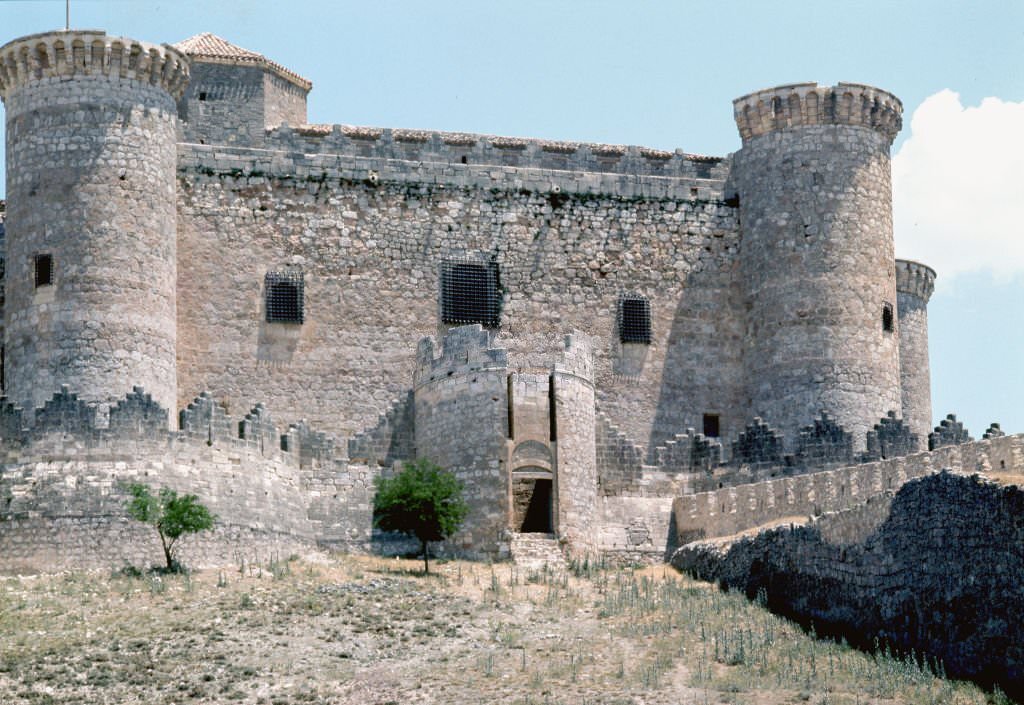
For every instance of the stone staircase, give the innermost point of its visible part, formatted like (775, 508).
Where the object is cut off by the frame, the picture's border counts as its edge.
(537, 552)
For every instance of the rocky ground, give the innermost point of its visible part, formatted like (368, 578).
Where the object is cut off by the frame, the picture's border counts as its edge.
(373, 631)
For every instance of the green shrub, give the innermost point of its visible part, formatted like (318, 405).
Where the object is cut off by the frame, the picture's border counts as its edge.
(171, 515)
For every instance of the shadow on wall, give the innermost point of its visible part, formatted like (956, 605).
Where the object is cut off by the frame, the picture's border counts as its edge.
(672, 539)
(703, 370)
(277, 342)
(939, 575)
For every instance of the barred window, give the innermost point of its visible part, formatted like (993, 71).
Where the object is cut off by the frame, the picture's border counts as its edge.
(634, 319)
(470, 293)
(285, 296)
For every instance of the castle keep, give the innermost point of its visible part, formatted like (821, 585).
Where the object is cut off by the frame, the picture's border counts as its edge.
(581, 332)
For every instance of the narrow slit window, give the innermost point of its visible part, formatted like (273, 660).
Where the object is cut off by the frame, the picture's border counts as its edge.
(634, 319)
(887, 320)
(285, 297)
(470, 293)
(44, 270)
(711, 425)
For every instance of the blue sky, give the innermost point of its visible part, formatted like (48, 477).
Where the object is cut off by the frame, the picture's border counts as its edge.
(664, 74)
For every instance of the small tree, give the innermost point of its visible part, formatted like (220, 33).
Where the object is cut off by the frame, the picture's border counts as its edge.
(422, 501)
(173, 516)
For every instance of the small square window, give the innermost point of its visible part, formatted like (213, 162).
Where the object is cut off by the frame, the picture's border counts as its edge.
(285, 297)
(470, 293)
(202, 95)
(711, 428)
(44, 270)
(887, 320)
(634, 319)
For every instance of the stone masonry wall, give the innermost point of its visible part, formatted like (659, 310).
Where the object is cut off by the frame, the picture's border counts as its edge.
(285, 102)
(935, 569)
(90, 180)
(44, 544)
(731, 510)
(636, 529)
(62, 497)
(74, 484)
(223, 104)
(370, 233)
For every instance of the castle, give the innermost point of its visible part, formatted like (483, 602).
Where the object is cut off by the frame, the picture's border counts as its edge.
(581, 332)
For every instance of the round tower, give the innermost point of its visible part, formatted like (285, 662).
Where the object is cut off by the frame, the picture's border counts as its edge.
(91, 221)
(914, 286)
(815, 199)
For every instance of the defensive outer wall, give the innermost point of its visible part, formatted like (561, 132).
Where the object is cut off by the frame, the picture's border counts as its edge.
(933, 568)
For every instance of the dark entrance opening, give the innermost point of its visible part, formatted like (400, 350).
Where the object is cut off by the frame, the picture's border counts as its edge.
(532, 500)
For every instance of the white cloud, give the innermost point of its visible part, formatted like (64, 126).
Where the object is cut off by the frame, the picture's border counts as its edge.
(958, 187)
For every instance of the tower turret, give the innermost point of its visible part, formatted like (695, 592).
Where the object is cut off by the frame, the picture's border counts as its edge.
(914, 286)
(91, 219)
(814, 186)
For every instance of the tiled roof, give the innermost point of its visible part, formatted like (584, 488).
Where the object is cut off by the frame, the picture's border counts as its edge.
(207, 46)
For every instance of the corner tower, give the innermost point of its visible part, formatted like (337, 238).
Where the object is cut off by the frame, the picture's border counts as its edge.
(91, 219)
(814, 186)
(914, 286)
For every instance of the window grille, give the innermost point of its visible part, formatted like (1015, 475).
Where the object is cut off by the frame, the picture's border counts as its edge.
(887, 322)
(470, 293)
(634, 319)
(44, 270)
(285, 297)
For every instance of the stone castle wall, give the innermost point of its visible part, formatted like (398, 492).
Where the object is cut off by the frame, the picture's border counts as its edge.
(62, 495)
(935, 569)
(371, 251)
(62, 483)
(731, 510)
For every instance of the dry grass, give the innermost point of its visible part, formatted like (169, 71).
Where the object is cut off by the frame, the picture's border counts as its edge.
(373, 631)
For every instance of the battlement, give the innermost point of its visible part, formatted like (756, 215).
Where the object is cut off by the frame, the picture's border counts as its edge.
(808, 104)
(915, 278)
(730, 510)
(58, 55)
(463, 349)
(578, 357)
(460, 148)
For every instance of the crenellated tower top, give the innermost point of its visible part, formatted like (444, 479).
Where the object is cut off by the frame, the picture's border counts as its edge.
(808, 104)
(90, 52)
(915, 278)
